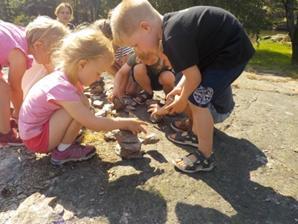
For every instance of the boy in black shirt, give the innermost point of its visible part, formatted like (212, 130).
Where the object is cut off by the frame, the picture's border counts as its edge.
(209, 46)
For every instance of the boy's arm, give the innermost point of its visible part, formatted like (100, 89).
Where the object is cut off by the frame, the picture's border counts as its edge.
(193, 78)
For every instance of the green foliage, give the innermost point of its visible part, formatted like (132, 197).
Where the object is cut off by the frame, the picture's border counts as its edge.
(274, 57)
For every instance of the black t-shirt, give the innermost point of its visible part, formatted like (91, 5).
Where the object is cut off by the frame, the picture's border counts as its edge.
(208, 37)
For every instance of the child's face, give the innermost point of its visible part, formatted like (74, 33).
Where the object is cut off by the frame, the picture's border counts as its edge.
(145, 41)
(90, 70)
(40, 53)
(64, 15)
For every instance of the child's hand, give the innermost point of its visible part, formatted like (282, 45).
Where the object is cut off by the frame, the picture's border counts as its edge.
(176, 91)
(177, 106)
(155, 109)
(115, 94)
(134, 125)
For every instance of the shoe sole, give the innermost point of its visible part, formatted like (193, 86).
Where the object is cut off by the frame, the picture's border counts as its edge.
(188, 143)
(193, 171)
(59, 162)
(174, 128)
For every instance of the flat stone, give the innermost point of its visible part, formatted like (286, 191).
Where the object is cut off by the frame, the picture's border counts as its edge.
(98, 104)
(126, 137)
(101, 113)
(150, 139)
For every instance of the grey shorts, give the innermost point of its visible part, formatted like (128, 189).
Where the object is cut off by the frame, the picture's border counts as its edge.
(218, 117)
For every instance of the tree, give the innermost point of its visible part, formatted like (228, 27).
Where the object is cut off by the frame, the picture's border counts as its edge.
(291, 12)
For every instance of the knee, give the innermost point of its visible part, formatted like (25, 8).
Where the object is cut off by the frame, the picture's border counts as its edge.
(167, 78)
(139, 71)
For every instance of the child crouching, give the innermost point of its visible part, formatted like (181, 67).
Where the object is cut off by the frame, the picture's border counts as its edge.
(55, 109)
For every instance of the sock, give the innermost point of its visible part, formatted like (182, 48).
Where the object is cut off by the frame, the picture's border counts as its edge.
(62, 147)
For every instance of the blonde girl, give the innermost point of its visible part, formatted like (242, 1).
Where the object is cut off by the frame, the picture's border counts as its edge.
(54, 110)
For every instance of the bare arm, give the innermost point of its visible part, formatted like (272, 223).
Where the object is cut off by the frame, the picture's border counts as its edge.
(193, 78)
(79, 112)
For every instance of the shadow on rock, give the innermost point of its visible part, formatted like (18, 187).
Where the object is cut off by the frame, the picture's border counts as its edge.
(96, 190)
(90, 189)
(254, 203)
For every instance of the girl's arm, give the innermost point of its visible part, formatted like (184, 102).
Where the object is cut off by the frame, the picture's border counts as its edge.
(79, 112)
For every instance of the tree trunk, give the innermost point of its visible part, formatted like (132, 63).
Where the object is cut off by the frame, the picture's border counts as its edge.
(292, 27)
(295, 46)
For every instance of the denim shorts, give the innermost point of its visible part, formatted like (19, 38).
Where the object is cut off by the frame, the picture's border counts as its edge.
(215, 89)
(218, 117)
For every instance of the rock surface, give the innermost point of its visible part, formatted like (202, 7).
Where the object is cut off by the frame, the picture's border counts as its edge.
(255, 181)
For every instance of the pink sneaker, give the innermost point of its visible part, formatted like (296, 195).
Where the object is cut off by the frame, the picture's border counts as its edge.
(75, 152)
(11, 138)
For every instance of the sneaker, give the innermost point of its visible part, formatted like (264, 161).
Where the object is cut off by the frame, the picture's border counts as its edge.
(75, 153)
(11, 138)
(184, 138)
(195, 162)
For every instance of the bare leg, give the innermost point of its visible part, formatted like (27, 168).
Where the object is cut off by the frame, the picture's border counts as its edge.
(141, 77)
(63, 129)
(203, 128)
(132, 88)
(167, 80)
(17, 69)
(4, 107)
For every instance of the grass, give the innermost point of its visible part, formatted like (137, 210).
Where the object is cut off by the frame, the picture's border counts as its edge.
(274, 57)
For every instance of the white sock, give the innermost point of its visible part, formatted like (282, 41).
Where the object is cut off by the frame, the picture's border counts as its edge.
(61, 147)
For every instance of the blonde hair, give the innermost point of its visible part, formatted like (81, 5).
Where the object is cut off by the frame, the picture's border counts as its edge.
(84, 44)
(49, 31)
(64, 5)
(127, 16)
(104, 26)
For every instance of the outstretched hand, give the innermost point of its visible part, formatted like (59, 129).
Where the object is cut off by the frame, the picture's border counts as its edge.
(177, 106)
(134, 125)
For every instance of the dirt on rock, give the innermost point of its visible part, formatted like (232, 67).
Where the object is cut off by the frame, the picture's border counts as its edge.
(255, 180)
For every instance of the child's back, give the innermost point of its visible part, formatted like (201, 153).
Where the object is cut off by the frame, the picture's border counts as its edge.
(207, 36)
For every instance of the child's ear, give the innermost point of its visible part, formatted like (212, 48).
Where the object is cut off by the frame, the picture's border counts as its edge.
(82, 64)
(144, 25)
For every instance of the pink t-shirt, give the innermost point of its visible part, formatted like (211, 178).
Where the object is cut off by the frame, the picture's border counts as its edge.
(11, 37)
(39, 104)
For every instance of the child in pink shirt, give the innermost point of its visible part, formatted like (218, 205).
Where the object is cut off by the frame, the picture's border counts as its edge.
(55, 109)
(39, 39)
(13, 54)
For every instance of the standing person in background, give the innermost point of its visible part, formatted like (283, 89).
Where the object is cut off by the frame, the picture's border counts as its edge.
(64, 14)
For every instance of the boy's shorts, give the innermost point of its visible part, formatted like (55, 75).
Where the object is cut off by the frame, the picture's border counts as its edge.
(39, 143)
(218, 117)
(153, 76)
(215, 89)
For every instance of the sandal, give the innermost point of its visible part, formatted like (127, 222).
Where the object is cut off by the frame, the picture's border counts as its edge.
(195, 162)
(180, 126)
(184, 138)
(142, 97)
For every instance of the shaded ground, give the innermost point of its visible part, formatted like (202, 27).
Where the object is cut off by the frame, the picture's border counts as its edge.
(255, 181)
